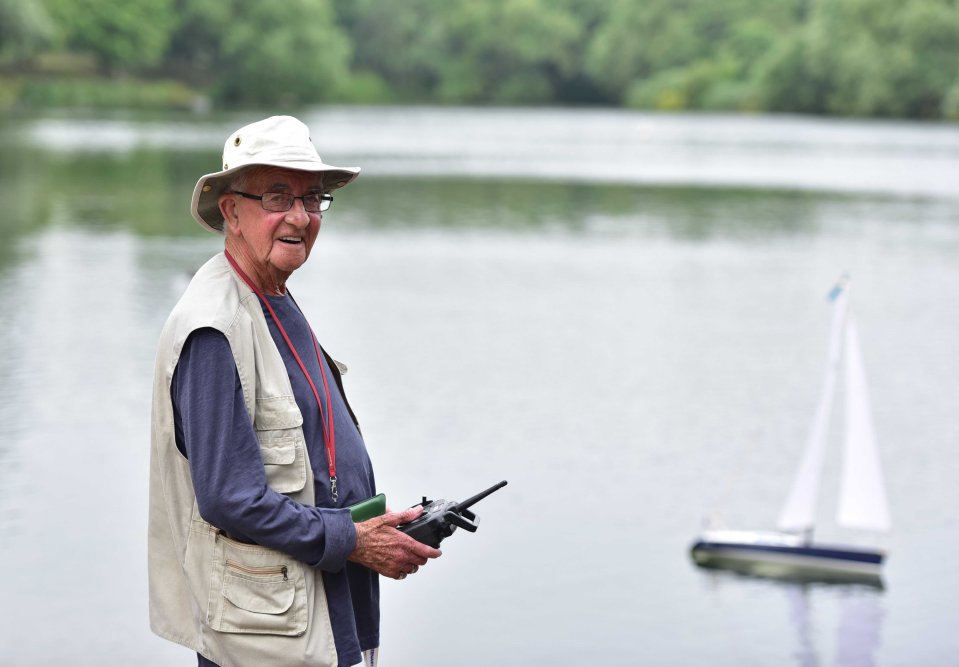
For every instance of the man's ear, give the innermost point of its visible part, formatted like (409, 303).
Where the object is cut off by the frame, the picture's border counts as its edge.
(227, 204)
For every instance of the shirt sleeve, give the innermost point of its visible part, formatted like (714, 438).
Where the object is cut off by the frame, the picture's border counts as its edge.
(227, 468)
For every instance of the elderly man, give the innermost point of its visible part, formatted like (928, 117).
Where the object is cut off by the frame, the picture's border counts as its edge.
(256, 455)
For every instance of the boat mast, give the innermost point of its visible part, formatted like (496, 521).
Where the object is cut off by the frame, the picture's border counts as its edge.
(799, 512)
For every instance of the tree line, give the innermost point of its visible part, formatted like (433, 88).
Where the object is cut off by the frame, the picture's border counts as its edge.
(883, 58)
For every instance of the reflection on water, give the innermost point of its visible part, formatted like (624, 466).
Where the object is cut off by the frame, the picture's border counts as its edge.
(832, 624)
(801, 618)
(857, 629)
(594, 171)
(585, 145)
(859, 632)
(144, 191)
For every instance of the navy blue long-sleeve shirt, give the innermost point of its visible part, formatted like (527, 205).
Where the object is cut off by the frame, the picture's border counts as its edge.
(214, 430)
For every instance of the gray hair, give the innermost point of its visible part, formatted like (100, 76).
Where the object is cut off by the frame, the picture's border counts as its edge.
(243, 178)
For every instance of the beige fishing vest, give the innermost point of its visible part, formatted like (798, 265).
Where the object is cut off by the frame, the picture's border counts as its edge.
(239, 605)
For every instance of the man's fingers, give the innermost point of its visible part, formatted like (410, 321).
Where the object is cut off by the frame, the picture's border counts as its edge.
(398, 518)
(410, 514)
(405, 571)
(425, 551)
(388, 551)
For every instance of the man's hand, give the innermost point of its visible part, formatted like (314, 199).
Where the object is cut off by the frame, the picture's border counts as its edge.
(384, 549)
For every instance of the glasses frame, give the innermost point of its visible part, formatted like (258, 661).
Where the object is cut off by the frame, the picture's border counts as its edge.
(326, 200)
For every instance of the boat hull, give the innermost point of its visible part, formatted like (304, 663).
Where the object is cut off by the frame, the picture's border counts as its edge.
(787, 557)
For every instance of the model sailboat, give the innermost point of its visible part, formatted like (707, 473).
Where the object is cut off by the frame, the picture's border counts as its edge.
(862, 498)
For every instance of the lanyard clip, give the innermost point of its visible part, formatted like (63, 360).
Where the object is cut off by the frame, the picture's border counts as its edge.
(333, 490)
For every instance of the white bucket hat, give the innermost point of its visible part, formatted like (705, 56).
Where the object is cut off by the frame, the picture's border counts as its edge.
(278, 141)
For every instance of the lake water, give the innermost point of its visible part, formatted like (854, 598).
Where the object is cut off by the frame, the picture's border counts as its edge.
(622, 314)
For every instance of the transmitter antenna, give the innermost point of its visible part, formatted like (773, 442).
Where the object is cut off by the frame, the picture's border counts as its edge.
(469, 502)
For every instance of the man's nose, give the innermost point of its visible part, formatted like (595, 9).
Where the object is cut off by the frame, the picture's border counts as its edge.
(298, 215)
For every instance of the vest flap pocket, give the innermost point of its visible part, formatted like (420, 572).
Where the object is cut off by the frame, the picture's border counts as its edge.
(271, 595)
(256, 590)
(276, 412)
(284, 461)
(277, 421)
(278, 452)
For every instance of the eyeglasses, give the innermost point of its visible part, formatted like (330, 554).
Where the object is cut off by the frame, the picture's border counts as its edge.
(279, 202)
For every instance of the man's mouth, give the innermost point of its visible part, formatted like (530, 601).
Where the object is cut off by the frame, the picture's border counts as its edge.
(291, 239)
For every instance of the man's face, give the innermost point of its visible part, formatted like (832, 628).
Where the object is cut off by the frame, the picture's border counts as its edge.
(274, 241)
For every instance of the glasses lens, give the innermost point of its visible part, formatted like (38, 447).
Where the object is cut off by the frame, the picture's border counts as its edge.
(315, 203)
(281, 201)
(277, 201)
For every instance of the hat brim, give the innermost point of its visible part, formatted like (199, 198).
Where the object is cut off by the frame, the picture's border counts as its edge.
(205, 206)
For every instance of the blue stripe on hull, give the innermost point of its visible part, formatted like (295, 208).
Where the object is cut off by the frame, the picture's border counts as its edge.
(851, 556)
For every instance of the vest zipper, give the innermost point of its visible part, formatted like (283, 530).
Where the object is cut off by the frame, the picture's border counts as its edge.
(259, 571)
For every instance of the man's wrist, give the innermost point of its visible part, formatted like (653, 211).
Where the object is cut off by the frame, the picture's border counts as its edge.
(340, 537)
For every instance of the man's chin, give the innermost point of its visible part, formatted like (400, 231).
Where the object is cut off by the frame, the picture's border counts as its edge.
(288, 257)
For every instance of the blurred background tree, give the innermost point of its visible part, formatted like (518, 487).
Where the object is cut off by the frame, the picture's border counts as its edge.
(867, 58)
(122, 35)
(847, 57)
(681, 54)
(510, 51)
(292, 52)
(25, 28)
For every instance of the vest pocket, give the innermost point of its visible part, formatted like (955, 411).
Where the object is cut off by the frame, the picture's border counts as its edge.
(284, 460)
(257, 590)
(278, 423)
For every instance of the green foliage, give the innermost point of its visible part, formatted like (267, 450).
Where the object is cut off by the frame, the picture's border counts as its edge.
(950, 102)
(453, 51)
(292, 54)
(25, 28)
(193, 53)
(401, 45)
(10, 92)
(868, 58)
(849, 57)
(123, 34)
(106, 94)
(711, 85)
(680, 54)
(363, 88)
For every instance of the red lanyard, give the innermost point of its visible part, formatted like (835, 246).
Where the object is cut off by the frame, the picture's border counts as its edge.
(329, 433)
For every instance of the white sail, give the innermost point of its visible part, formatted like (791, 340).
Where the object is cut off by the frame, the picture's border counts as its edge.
(799, 512)
(862, 494)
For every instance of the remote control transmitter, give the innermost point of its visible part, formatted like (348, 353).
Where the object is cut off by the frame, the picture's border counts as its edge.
(440, 518)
